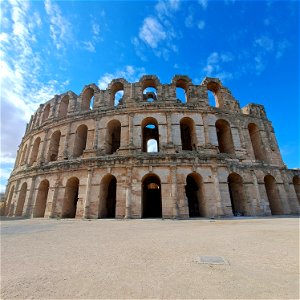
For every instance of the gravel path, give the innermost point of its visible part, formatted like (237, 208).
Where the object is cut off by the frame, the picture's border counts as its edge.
(138, 259)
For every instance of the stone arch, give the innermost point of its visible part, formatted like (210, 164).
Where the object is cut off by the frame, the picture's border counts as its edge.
(87, 99)
(21, 200)
(54, 146)
(8, 203)
(194, 191)
(151, 196)
(149, 131)
(273, 195)
(46, 113)
(107, 197)
(41, 199)
(63, 106)
(224, 136)
(256, 141)
(188, 134)
(70, 198)
(214, 86)
(296, 183)
(149, 86)
(80, 140)
(113, 136)
(117, 90)
(35, 151)
(23, 156)
(182, 86)
(237, 194)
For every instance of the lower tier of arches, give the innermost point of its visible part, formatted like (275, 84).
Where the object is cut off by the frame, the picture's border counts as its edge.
(154, 192)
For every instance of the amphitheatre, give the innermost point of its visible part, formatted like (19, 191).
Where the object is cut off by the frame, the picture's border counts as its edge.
(147, 154)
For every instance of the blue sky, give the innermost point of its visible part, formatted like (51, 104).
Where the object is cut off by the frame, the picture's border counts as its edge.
(49, 47)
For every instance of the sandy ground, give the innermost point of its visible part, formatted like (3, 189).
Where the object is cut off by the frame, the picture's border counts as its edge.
(138, 259)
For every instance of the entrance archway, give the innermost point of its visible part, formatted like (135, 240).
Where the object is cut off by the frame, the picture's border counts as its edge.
(70, 198)
(296, 183)
(273, 195)
(21, 200)
(237, 194)
(41, 199)
(108, 192)
(151, 197)
(195, 195)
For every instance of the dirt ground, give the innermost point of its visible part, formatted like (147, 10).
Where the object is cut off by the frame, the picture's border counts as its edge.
(138, 259)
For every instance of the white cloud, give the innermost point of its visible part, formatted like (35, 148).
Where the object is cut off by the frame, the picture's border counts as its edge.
(60, 28)
(152, 32)
(203, 3)
(265, 43)
(89, 46)
(129, 73)
(214, 65)
(188, 22)
(201, 25)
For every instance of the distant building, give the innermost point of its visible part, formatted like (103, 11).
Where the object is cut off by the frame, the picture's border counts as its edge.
(91, 156)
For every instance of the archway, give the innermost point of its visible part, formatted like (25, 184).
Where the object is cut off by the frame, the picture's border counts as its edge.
(195, 195)
(63, 107)
(113, 136)
(80, 140)
(296, 183)
(108, 193)
(256, 141)
(151, 197)
(54, 146)
(237, 194)
(149, 132)
(21, 200)
(87, 99)
(41, 199)
(187, 131)
(224, 137)
(7, 206)
(273, 195)
(35, 151)
(70, 198)
(46, 113)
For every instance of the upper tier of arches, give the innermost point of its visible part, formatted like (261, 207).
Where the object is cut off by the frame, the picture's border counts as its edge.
(147, 91)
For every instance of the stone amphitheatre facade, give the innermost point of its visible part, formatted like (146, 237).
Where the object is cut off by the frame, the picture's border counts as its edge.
(150, 154)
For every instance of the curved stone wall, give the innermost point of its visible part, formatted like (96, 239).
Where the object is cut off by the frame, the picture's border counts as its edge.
(135, 150)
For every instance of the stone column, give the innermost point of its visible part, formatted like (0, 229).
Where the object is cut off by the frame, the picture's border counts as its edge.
(174, 191)
(87, 194)
(66, 146)
(30, 199)
(43, 150)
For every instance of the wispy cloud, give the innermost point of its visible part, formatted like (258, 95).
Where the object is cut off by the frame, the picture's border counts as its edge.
(203, 3)
(130, 73)
(60, 28)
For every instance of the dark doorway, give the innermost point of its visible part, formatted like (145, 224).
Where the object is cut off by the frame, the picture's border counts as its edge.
(71, 198)
(151, 197)
(194, 194)
(108, 191)
(237, 195)
(273, 195)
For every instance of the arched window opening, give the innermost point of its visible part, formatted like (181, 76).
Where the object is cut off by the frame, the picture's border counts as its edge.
(150, 133)
(41, 200)
(21, 200)
(119, 98)
(54, 146)
(87, 102)
(237, 194)
(151, 197)
(108, 192)
(70, 198)
(215, 98)
(296, 183)
(23, 157)
(194, 192)
(150, 94)
(224, 137)
(35, 151)
(256, 141)
(273, 195)
(46, 113)
(188, 135)
(80, 140)
(152, 146)
(63, 107)
(113, 136)
(181, 95)
(8, 204)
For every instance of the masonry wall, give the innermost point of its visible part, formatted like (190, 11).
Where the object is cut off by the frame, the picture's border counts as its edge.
(219, 160)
